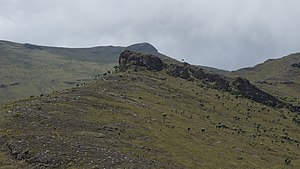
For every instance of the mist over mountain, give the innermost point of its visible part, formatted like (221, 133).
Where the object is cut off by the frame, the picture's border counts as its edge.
(227, 35)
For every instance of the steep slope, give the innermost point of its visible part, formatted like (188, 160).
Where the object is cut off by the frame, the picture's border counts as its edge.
(281, 77)
(28, 69)
(151, 114)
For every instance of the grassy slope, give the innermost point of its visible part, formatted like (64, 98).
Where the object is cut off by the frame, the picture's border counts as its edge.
(282, 79)
(41, 69)
(118, 121)
(274, 70)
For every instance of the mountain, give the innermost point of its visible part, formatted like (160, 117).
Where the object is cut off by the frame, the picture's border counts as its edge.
(32, 70)
(143, 47)
(152, 113)
(280, 77)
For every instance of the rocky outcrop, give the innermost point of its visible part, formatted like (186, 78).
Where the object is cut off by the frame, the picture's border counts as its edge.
(219, 81)
(246, 89)
(236, 86)
(297, 65)
(178, 71)
(148, 61)
(33, 47)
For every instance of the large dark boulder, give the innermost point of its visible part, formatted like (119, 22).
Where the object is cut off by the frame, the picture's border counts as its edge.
(150, 62)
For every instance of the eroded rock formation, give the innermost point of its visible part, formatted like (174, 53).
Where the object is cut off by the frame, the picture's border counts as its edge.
(150, 62)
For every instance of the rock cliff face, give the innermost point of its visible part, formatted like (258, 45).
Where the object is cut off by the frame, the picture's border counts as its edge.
(148, 61)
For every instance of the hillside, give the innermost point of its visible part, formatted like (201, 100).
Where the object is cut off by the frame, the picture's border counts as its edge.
(281, 77)
(152, 113)
(32, 70)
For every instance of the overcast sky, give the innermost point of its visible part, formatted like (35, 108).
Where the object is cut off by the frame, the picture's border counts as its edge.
(227, 34)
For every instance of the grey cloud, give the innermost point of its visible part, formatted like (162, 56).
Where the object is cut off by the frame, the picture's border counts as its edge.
(226, 34)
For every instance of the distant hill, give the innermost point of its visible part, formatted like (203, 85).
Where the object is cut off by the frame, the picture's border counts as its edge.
(31, 70)
(143, 47)
(152, 113)
(283, 69)
(281, 77)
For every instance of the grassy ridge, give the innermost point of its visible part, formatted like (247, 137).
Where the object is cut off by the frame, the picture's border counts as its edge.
(26, 71)
(279, 70)
(151, 120)
(276, 76)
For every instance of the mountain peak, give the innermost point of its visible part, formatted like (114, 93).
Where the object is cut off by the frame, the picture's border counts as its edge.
(142, 47)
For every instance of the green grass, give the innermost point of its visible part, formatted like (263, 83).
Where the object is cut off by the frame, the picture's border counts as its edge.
(41, 70)
(133, 106)
(275, 72)
(141, 119)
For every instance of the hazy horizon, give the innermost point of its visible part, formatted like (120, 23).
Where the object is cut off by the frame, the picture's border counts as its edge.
(226, 35)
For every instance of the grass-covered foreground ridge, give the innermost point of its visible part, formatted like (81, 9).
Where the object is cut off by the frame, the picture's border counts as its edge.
(151, 115)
